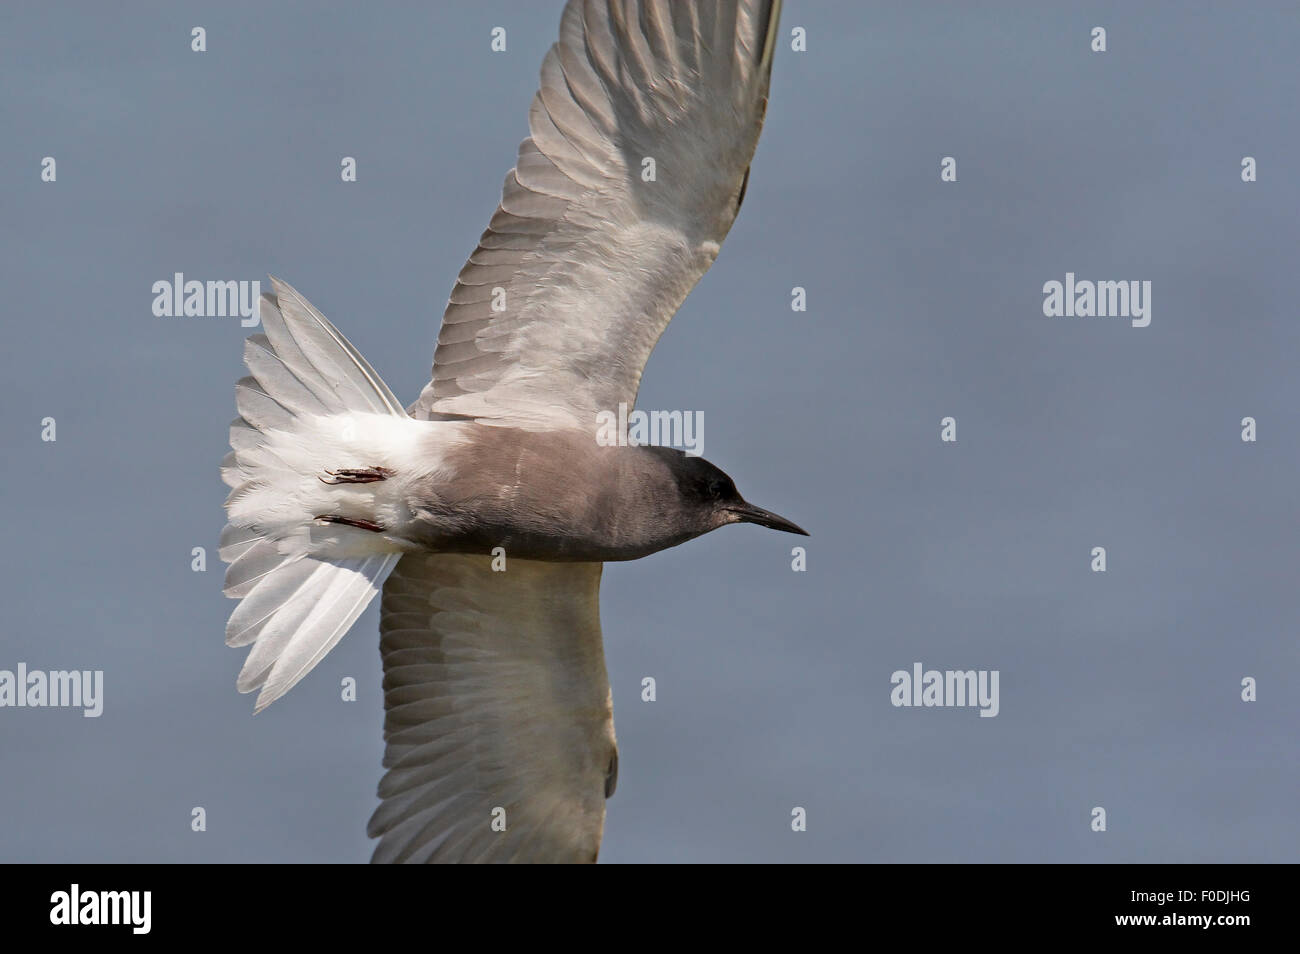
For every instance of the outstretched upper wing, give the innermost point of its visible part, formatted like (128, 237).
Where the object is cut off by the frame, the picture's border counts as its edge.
(499, 724)
(641, 139)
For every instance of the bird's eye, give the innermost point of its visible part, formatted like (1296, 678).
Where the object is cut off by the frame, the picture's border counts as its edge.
(715, 489)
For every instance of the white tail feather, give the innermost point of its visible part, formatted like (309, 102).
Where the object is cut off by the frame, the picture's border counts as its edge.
(312, 403)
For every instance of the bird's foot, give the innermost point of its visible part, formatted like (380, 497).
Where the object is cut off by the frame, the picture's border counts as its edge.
(356, 475)
(349, 521)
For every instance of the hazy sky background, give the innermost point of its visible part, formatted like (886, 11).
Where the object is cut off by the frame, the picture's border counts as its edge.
(1119, 690)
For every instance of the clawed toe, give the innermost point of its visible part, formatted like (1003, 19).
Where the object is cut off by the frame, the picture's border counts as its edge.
(356, 475)
(349, 521)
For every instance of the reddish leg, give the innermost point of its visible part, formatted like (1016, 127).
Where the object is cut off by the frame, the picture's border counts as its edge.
(356, 475)
(360, 524)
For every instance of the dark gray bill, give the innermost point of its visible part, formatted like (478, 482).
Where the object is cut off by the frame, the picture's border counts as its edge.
(765, 518)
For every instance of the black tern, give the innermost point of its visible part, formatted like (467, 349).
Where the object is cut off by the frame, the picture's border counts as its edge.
(486, 510)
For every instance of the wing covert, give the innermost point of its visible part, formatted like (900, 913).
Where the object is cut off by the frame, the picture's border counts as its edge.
(641, 136)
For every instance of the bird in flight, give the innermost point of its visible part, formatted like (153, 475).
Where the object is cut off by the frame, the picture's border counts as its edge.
(485, 511)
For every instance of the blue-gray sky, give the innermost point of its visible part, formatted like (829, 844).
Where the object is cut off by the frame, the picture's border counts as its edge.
(1119, 689)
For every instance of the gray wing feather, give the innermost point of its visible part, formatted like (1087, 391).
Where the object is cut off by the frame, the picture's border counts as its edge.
(496, 698)
(585, 262)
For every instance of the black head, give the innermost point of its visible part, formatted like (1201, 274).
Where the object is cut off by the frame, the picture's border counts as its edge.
(711, 495)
